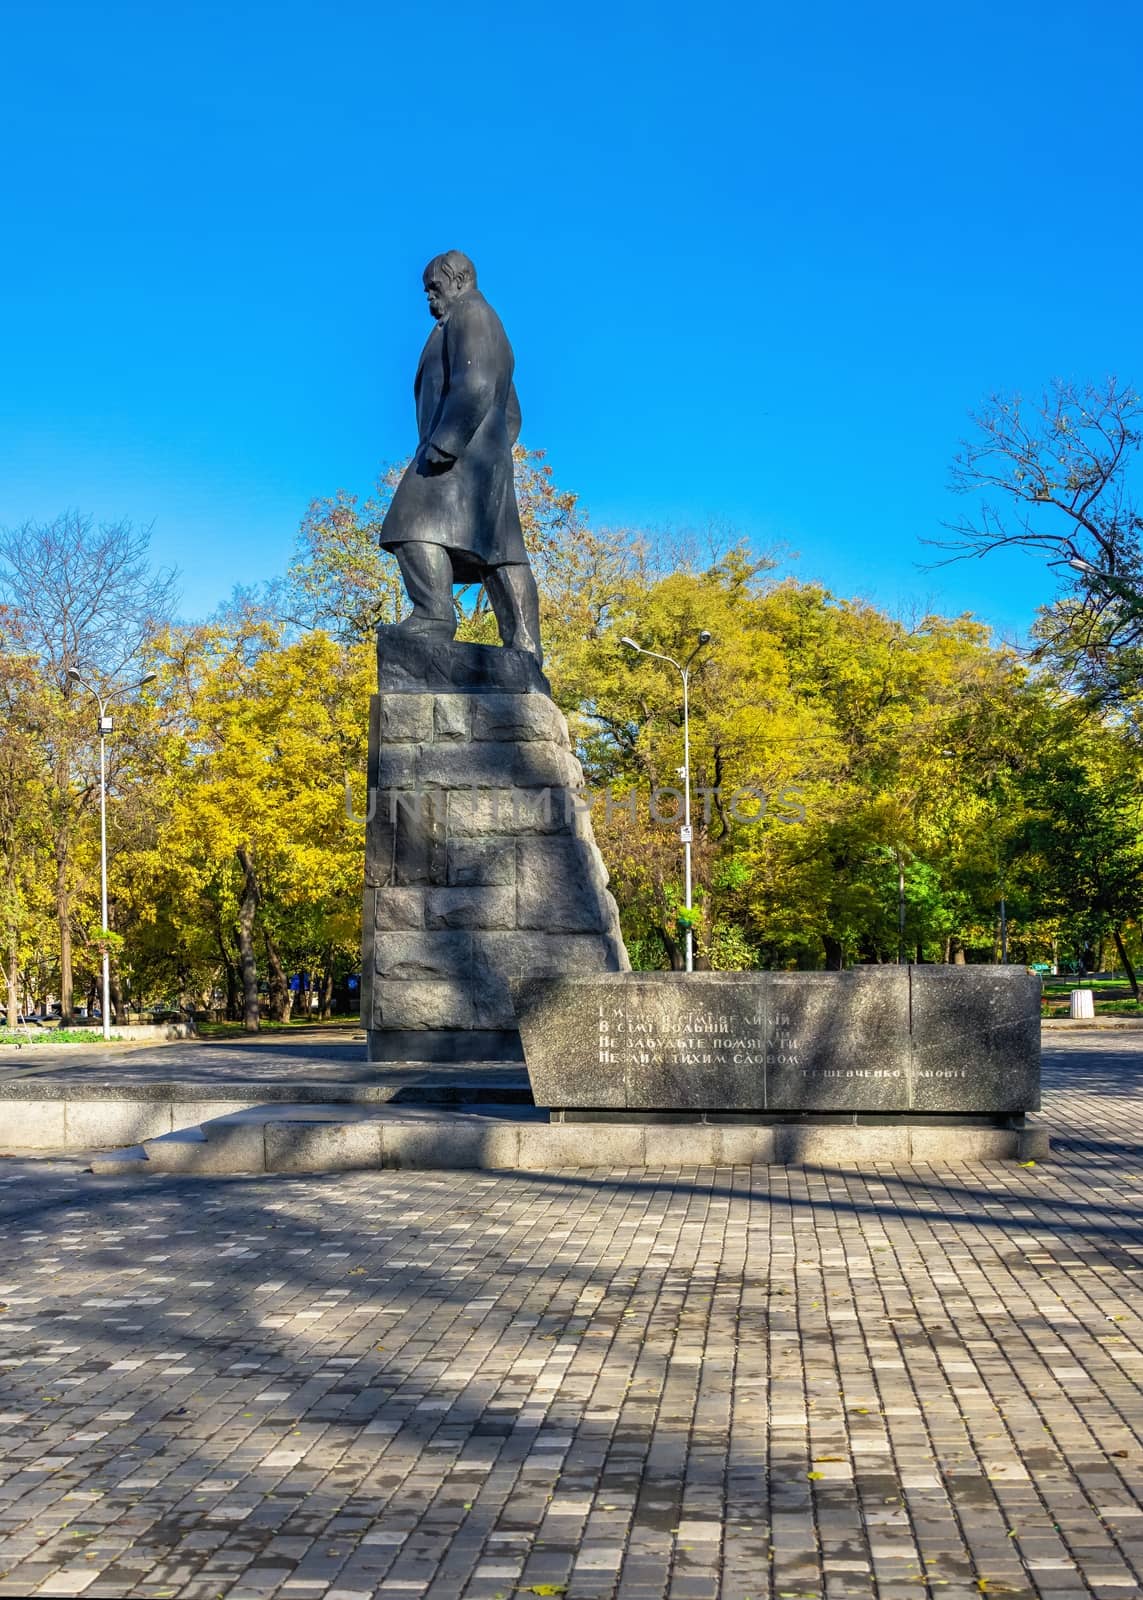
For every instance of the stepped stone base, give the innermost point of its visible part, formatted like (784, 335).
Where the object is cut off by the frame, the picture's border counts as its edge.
(328, 1139)
(480, 870)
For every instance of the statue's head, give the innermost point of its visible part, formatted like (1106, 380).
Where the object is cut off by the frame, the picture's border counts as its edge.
(447, 277)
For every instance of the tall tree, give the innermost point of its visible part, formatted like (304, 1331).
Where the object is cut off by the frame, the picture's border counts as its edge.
(21, 796)
(85, 598)
(1059, 477)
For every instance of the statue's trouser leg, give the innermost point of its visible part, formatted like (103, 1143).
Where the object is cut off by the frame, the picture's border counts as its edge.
(427, 573)
(515, 604)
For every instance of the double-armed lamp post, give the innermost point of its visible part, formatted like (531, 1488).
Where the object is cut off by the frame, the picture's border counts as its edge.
(105, 727)
(686, 832)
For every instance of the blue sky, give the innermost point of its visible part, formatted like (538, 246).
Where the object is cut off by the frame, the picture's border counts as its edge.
(757, 262)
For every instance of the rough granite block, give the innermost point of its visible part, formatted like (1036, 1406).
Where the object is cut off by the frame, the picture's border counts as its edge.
(431, 1003)
(452, 720)
(405, 840)
(405, 718)
(475, 907)
(518, 718)
(398, 908)
(472, 815)
(530, 954)
(436, 953)
(500, 961)
(395, 767)
(559, 886)
(481, 861)
(492, 1001)
(465, 766)
(542, 764)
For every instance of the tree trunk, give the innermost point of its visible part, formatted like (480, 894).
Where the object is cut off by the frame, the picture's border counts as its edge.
(233, 1009)
(281, 995)
(958, 957)
(1125, 961)
(118, 1009)
(247, 963)
(675, 957)
(325, 992)
(834, 953)
(13, 943)
(63, 919)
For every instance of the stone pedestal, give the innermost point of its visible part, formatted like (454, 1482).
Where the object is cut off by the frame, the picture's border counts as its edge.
(480, 870)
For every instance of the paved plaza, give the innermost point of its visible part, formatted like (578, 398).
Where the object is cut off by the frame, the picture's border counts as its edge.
(594, 1383)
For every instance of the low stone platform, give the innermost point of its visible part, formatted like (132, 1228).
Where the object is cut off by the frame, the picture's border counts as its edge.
(313, 1104)
(332, 1138)
(87, 1098)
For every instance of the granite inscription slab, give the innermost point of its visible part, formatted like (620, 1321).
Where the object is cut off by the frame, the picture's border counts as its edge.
(873, 1039)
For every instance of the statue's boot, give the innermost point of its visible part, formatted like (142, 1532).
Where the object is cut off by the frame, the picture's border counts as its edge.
(427, 573)
(515, 603)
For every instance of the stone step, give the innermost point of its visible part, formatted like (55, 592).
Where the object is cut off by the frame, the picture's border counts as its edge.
(298, 1139)
(71, 1112)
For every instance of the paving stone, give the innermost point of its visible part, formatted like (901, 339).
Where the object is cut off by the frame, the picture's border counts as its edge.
(718, 1381)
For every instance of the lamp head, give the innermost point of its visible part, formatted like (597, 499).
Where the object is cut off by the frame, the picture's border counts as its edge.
(150, 678)
(630, 643)
(73, 672)
(704, 636)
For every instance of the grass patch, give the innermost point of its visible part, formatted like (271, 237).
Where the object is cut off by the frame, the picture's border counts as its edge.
(53, 1036)
(1066, 984)
(235, 1030)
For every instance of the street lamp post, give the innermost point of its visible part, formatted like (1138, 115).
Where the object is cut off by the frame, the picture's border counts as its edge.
(105, 727)
(1110, 586)
(686, 833)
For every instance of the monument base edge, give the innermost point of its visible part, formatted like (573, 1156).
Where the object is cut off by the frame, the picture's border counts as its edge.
(444, 1046)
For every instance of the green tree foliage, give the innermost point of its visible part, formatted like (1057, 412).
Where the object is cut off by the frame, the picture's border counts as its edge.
(864, 785)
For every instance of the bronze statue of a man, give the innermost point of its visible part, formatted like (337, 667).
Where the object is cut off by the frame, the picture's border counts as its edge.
(454, 517)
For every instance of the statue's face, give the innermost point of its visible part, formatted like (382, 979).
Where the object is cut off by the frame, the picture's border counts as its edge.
(440, 291)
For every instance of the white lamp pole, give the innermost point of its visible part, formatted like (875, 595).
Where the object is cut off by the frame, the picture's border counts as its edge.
(105, 727)
(686, 832)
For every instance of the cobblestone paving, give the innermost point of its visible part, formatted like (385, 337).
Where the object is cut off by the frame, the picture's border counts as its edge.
(595, 1383)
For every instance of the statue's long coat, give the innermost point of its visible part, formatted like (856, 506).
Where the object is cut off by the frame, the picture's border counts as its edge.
(466, 405)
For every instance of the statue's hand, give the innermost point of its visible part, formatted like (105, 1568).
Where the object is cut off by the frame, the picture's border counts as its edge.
(436, 460)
